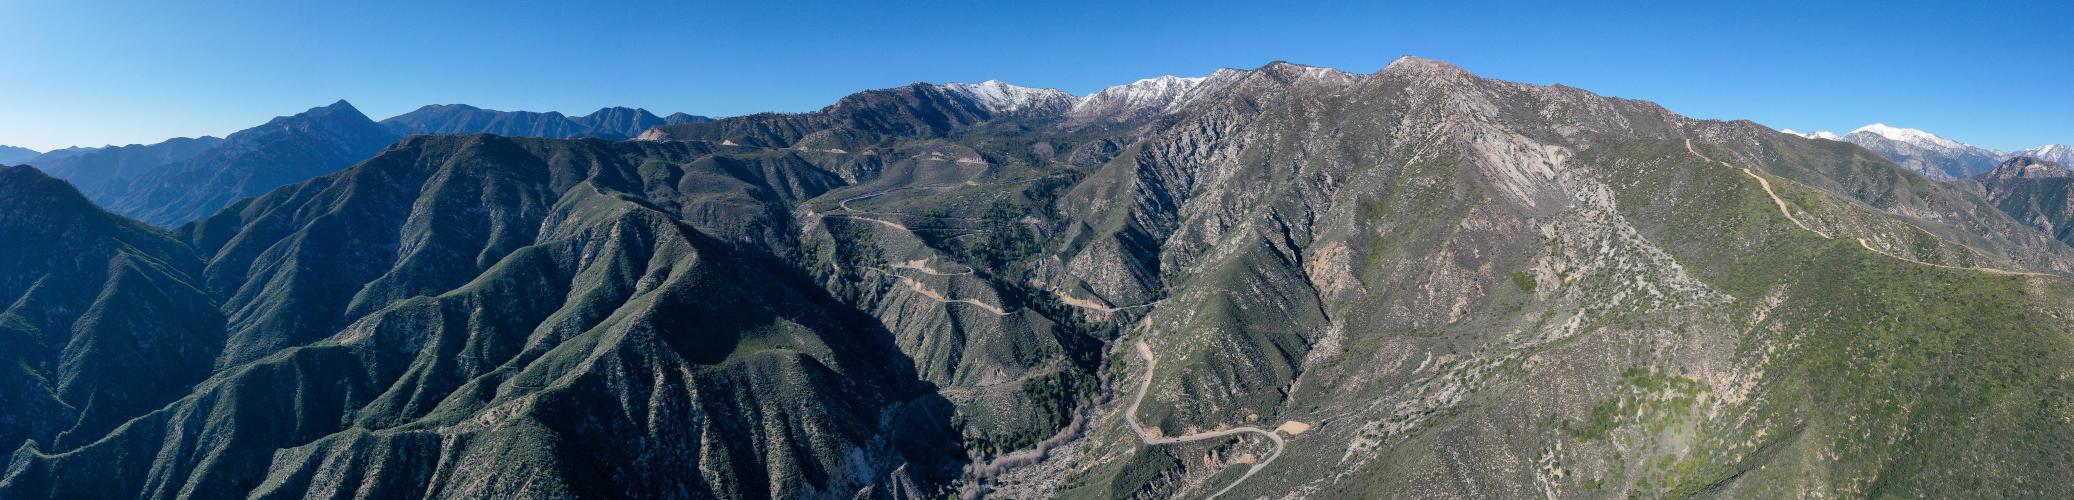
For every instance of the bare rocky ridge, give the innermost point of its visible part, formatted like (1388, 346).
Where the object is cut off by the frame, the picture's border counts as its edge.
(2036, 192)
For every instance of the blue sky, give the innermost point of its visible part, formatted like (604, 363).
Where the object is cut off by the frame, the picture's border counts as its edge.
(1995, 74)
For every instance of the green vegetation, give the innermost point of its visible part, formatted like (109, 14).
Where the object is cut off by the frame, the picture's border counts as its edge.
(1646, 398)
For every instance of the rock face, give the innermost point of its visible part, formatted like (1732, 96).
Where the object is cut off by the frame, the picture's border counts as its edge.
(1437, 284)
(2039, 193)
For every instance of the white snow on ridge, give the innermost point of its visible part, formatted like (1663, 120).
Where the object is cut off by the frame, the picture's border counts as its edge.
(2056, 153)
(1162, 93)
(1911, 136)
(1000, 97)
(1819, 134)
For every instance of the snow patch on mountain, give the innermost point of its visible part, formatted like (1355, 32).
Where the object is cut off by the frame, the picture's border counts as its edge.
(1157, 94)
(1911, 136)
(1000, 97)
(1819, 134)
(2056, 153)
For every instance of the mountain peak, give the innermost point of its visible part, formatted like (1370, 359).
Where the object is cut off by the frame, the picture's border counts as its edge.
(2058, 153)
(1001, 97)
(1294, 71)
(2025, 167)
(1418, 64)
(339, 109)
(1819, 134)
(1909, 135)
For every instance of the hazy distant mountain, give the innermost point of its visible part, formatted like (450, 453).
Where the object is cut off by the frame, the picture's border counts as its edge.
(284, 151)
(1286, 281)
(617, 123)
(59, 154)
(609, 123)
(11, 155)
(682, 118)
(104, 174)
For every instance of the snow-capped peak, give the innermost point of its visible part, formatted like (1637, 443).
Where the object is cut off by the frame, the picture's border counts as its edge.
(1159, 95)
(1000, 97)
(1819, 134)
(2057, 153)
(1909, 135)
(2049, 150)
(1156, 90)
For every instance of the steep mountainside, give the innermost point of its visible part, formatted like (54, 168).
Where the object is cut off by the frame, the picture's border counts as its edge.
(2039, 193)
(1270, 282)
(284, 151)
(607, 123)
(105, 174)
(103, 317)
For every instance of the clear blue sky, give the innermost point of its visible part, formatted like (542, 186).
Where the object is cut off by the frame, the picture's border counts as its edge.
(93, 72)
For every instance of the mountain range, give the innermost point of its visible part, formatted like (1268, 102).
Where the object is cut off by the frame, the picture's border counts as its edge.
(179, 180)
(608, 123)
(109, 171)
(1286, 281)
(58, 154)
(1933, 156)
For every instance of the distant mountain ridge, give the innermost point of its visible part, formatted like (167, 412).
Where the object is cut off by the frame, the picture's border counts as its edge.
(1932, 155)
(2057, 153)
(12, 155)
(1937, 157)
(104, 174)
(285, 150)
(617, 123)
(2034, 191)
(181, 179)
(61, 153)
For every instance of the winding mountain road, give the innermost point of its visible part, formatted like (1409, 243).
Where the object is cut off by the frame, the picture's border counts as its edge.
(1989, 270)
(1131, 416)
(1767, 185)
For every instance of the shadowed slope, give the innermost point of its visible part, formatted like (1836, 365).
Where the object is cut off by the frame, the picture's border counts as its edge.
(102, 321)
